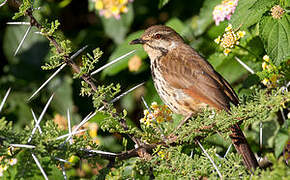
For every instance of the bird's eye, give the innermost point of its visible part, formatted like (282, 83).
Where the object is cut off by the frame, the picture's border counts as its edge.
(157, 36)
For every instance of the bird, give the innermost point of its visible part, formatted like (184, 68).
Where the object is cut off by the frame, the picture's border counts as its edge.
(187, 83)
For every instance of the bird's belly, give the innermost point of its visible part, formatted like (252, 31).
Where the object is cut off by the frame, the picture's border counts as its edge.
(176, 99)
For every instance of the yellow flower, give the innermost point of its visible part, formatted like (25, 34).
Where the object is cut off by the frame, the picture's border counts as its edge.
(109, 8)
(217, 40)
(93, 128)
(12, 161)
(229, 39)
(266, 82)
(266, 58)
(241, 33)
(230, 27)
(227, 51)
(115, 10)
(123, 9)
(161, 154)
(264, 65)
(99, 5)
(160, 113)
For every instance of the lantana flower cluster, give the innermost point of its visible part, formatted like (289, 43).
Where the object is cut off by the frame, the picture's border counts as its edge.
(277, 12)
(224, 10)
(109, 8)
(161, 113)
(271, 69)
(229, 39)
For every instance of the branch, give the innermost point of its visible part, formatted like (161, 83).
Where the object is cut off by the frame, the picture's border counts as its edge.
(86, 77)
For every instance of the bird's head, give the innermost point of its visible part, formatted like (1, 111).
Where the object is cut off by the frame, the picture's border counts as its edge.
(159, 39)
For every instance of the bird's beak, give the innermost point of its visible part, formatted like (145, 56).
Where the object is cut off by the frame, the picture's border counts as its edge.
(138, 41)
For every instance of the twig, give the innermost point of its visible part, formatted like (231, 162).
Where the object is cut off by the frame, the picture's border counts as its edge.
(4, 99)
(22, 41)
(112, 62)
(211, 160)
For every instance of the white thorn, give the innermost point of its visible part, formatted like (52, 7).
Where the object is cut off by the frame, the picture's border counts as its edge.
(4, 99)
(86, 119)
(18, 23)
(69, 125)
(40, 117)
(39, 166)
(47, 81)
(112, 62)
(245, 66)
(70, 134)
(23, 145)
(125, 93)
(2, 4)
(22, 41)
(63, 172)
(261, 135)
(78, 52)
(207, 155)
(228, 150)
(99, 152)
(35, 120)
(62, 160)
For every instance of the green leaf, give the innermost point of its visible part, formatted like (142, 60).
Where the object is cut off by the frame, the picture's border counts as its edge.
(275, 34)
(26, 64)
(227, 66)
(249, 12)
(205, 18)
(177, 25)
(122, 49)
(280, 141)
(118, 28)
(162, 3)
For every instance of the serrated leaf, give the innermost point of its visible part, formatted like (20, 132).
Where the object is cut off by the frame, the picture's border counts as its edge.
(122, 49)
(117, 29)
(280, 141)
(249, 13)
(275, 34)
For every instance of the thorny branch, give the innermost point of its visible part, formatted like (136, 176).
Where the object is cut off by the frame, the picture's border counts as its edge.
(88, 79)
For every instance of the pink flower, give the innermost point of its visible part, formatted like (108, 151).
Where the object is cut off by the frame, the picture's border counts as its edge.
(224, 10)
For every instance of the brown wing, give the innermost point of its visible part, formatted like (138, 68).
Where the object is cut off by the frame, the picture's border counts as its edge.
(185, 69)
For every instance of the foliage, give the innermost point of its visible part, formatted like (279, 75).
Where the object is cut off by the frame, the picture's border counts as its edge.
(119, 142)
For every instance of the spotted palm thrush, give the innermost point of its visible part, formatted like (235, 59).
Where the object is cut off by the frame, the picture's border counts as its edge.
(187, 83)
